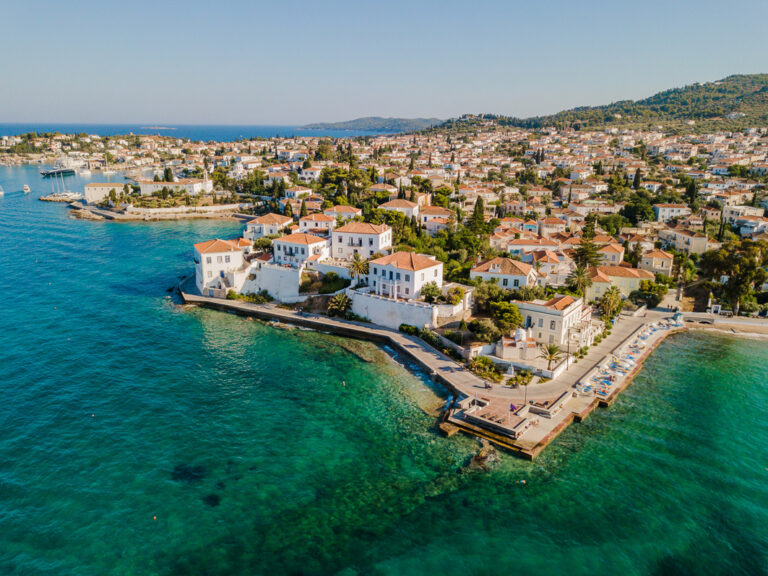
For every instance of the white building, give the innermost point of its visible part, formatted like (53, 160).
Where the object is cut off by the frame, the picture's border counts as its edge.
(191, 186)
(657, 261)
(403, 274)
(266, 225)
(219, 264)
(361, 238)
(343, 212)
(298, 192)
(294, 249)
(317, 224)
(406, 207)
(667, 212)
(557, 320)
(509, 274)
(434, 213)
(95, 192)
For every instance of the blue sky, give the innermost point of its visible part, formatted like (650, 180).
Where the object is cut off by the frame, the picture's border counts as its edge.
(290, 62)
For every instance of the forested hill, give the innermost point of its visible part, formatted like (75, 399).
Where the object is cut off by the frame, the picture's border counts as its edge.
(736, 102)
(378, 124)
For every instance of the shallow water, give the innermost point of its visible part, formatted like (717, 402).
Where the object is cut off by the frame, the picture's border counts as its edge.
(137, 437)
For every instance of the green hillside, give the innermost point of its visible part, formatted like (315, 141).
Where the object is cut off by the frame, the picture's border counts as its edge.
(734, 103)
(378, 124)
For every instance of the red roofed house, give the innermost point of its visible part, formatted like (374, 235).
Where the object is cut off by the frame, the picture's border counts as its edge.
(266, 225)
(657, 261)
(627, 280)
(216, 264)
(509, 274)
(317, 224)
(360, 238)
(404, 274)
(294, 249)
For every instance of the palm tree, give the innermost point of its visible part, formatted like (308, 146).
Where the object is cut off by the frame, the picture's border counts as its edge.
(359, 266)
(339, 304)
(551, 353)
(611, 302)
(579, 279)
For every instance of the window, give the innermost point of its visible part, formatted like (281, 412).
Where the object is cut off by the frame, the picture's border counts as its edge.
(541, 322)
(226, 258)
(406, 290)
(397, 276)
(218, 259)
(208, 260)
(504, 282)
(339, 238)
(407, 277)
(516, 283)
(422, 276)
(552, 325)
(370, 241)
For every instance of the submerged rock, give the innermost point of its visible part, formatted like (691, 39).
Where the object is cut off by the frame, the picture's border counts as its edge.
(188, 473)
(483, 460)
(212, 500)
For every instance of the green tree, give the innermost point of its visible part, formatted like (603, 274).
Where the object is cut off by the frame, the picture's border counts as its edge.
(506, 316)
(585, 254)
(303, 210)
(611, 303)
(339, 304)
(167, 175)
(431, 291)
(579, 279)
(551, 353)
(477, 221)
(358, 267)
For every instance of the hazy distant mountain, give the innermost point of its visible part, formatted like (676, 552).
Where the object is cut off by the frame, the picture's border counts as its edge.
(730, 104)
(378, 124)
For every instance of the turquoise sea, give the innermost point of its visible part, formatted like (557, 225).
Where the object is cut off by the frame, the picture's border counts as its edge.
(137, 437)
(219, 133)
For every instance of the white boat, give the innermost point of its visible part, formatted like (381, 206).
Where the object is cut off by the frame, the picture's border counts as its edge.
(108, 172)
(84, 172)
(26, 189)
(2, 192)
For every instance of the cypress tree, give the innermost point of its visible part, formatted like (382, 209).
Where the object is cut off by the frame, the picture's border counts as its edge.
(303, 211)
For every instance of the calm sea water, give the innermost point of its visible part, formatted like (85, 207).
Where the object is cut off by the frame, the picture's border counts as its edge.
(223, 133)
(140, 438)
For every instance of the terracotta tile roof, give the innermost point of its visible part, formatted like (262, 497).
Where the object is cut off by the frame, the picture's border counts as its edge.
(398, 203)
(502, 265)
(656, 253)
(560, 302)
(619, 272)
(362, 228)
(272, 219)
(407, 261)
(300, 238)
(217, 245)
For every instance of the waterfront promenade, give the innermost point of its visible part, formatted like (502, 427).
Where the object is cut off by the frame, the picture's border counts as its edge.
(463, 384)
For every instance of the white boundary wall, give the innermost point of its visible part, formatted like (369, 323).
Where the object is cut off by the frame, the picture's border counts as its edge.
(392, 313)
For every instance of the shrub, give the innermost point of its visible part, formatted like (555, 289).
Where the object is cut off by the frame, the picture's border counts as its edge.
(485, 368)
(409, 329)
(484, 330)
